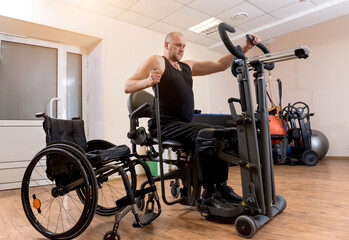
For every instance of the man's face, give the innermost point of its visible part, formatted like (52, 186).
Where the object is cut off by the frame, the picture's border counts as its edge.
(176, 48)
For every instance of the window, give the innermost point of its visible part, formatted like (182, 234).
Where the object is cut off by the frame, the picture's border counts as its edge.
(39, 76)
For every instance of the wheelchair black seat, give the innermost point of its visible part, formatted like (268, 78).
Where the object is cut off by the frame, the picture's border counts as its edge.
(72, 132)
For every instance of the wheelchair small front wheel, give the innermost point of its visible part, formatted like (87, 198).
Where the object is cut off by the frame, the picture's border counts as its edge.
(111, 235)
(48, 193)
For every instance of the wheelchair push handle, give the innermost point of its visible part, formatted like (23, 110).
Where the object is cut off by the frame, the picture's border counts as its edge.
(40, 115)
(264, 49)
(222, 29)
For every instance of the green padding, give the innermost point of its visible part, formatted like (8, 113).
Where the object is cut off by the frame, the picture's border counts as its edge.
(153, 168)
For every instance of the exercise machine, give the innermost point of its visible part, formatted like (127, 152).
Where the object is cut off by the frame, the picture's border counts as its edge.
(260, 202)
(296, 144)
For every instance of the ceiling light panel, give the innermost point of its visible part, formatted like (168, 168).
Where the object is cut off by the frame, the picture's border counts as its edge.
(207, 27)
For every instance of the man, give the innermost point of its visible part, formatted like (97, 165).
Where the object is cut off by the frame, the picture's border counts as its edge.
(177, 108)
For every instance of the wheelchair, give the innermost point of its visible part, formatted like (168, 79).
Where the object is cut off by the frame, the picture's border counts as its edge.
(71, 179)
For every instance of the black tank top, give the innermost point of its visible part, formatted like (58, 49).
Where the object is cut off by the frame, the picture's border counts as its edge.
(175, 94)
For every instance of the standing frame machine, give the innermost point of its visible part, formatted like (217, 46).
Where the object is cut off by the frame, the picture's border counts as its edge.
(260, 202)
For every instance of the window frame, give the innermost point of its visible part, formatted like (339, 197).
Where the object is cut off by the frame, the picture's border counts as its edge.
(62, 51)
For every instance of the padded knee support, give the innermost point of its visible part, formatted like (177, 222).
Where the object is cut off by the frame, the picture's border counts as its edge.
(216, 138)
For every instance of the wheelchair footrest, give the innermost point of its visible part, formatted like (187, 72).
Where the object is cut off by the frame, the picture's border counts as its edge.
(234, 211)
(146, 219)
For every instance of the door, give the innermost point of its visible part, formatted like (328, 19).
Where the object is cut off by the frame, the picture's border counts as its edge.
(35, 76)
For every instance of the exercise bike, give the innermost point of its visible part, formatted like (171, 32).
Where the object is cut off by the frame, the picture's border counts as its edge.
(296, 144)
(260, 202)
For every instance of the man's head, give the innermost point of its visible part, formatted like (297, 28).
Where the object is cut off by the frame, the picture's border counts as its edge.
(174, 46)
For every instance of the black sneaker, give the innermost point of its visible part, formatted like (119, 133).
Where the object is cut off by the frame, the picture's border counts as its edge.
(217, 201)
(228, 193)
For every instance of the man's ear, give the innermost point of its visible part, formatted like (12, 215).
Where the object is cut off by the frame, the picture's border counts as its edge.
(166, 45)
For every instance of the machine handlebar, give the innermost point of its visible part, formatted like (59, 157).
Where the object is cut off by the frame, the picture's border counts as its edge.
(264, 49)
(222, 29)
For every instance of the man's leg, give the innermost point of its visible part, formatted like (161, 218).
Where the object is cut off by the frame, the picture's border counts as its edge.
(221, 177)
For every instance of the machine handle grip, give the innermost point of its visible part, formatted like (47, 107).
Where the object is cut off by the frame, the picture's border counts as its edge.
(264, 49)
(222, 29)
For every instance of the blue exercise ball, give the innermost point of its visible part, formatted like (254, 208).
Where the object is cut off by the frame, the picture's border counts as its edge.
(319, 143)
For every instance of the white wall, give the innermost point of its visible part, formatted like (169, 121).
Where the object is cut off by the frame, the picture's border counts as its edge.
(321, 81)
(123, 48)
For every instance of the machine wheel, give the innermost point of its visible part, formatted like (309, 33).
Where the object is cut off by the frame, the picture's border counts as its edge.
(310, 158)
(112, 236)
(49, 198)
(245, 226)
(110, 189)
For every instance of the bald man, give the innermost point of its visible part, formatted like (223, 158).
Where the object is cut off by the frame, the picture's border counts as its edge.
(177, 108)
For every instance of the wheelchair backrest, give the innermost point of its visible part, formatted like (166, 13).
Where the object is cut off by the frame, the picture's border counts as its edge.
(65, 130)
(137, 99)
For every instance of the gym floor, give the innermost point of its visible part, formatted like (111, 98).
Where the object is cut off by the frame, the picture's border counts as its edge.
(317, 209)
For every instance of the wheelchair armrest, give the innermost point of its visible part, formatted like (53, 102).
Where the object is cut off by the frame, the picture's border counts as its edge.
(139, 110)
(98, 144)
(40, 115)
(132, 134)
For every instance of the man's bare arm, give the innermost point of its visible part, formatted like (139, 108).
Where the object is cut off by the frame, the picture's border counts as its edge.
(200, 68)
(148, 74)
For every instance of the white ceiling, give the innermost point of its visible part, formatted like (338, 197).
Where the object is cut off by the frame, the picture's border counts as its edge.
(267, 18)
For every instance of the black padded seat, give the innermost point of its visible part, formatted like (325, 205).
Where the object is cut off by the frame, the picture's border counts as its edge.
(169, 143)
(209, 133)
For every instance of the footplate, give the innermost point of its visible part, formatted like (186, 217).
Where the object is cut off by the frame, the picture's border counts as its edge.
(235, 210)
(146, 218)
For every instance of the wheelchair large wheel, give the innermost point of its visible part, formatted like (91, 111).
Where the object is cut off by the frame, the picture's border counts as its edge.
(111, 188)
(50, 201)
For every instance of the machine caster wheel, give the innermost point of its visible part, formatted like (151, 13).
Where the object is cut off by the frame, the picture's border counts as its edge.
(140, 202)
(245, 226)
(111, 235)
(310, 158)
(175, 188)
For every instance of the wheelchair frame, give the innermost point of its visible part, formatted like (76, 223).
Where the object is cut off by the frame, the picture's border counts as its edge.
(60, 186)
